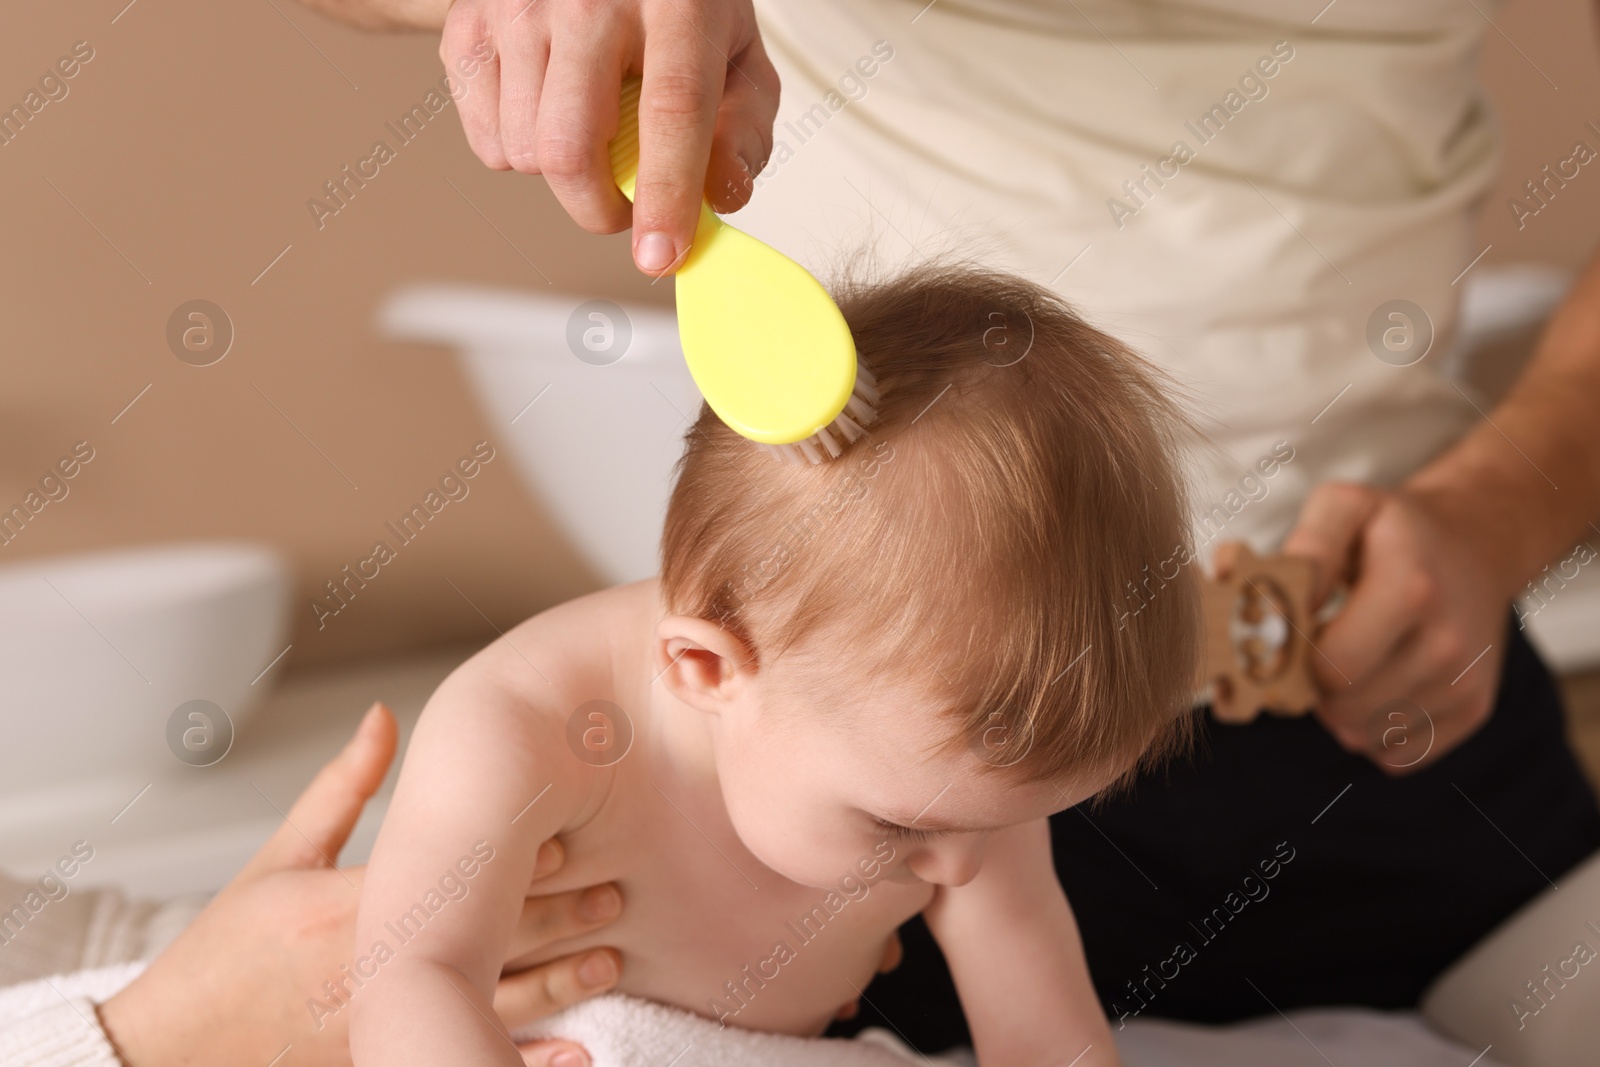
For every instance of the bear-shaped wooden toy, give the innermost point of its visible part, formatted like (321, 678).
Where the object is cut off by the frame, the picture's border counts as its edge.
(1258, 634)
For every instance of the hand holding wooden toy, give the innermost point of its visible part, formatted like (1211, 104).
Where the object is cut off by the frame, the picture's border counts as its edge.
(1258, 634)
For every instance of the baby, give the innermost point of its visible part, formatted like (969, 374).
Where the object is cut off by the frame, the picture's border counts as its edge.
(855, 693)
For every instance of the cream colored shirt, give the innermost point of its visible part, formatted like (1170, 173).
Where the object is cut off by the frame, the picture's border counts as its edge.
(1304, 175)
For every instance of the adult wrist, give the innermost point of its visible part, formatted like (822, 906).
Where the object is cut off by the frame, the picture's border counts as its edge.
(126, 1022)
(1509, 528)
(386, 14)
(420, 14)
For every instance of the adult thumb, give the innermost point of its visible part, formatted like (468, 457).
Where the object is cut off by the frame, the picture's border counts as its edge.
(320, 821)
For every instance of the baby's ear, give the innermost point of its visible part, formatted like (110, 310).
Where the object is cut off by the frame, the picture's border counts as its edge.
(701, 663)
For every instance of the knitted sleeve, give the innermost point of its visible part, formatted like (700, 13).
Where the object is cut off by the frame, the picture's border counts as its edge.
(52, 1022)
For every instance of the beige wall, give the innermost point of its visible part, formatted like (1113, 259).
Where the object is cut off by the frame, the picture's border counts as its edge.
(1542, 72)
(192, 141)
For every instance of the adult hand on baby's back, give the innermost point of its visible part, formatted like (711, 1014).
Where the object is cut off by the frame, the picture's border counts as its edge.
(1410, 666)
(541, 94)
(893, 953)
(239, 985)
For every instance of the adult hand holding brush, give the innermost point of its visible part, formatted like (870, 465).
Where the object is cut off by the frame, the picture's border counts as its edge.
(545, 101)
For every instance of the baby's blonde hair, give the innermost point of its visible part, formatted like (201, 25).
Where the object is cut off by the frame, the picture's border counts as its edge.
(1023, 470)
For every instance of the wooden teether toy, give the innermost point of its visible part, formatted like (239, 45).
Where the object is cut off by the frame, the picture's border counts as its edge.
(1258, 627)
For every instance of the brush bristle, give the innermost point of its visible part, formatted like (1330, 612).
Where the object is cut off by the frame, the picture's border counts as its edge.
(830, 441)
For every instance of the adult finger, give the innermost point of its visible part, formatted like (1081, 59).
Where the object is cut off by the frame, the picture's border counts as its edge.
(1386, 605)
(466, 47)
(548, 859)
(554, 1054)
(1347, 710)
(545, 920)
(683, 80)
(1329, 530)
(530, 995)
(742, 140)
(524, 47)
(320, 821)
(1226, 558)
(893, 953)
(1422, 702)
(577, 121)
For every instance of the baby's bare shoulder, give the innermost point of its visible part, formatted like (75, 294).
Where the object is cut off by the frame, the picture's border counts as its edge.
(497, 728)
(547, 665)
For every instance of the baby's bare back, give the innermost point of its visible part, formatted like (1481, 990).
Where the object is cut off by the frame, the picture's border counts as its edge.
(705, 926)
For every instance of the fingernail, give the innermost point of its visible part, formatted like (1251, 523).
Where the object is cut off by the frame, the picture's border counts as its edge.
(569, 1058)
(547, 859)
(654, 252)
(601, 902)
(597, 970)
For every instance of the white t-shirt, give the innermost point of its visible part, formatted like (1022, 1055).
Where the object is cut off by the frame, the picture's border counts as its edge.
(1284, 181)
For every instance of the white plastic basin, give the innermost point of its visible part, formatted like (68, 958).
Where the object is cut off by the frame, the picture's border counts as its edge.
(98, 650)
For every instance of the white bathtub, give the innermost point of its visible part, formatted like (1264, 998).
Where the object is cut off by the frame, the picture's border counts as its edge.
(597, 447)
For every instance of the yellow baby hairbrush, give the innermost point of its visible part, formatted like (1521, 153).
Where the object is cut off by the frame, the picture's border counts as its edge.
(766, 344)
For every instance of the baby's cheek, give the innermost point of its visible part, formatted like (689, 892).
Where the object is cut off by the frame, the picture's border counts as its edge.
(788, 854)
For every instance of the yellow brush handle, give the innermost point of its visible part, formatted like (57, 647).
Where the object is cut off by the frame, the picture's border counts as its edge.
(625, 159)
(765, 342)
(625, 146)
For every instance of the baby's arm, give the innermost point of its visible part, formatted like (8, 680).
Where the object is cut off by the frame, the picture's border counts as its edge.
(477, 759)
(1018, 963)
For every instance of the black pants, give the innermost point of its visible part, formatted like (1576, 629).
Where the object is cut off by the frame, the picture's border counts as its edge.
(1386, 881)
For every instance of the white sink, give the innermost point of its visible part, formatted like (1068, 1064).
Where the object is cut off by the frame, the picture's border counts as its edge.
(97, 651)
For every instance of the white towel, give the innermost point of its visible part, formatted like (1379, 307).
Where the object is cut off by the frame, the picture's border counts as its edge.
(621, 1031)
